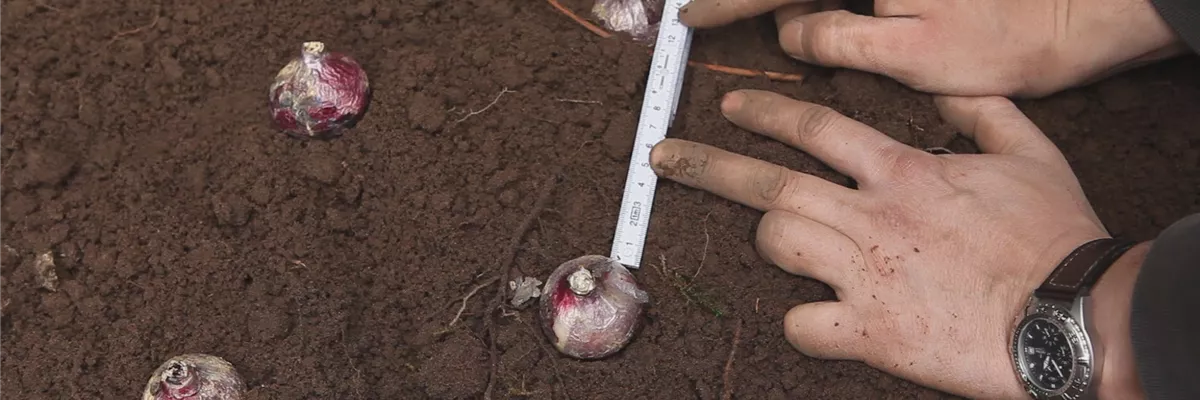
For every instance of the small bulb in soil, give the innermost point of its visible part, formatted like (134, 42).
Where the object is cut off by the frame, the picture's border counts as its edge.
(638, 18)
(318, 94)
(591, 306)
(195, 377)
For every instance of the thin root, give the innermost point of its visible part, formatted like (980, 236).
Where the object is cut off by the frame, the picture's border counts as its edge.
(779, 76)
(703, 253)
(590, 26)
(505, 268)
(727, 390)
(152, 24)
(42, 4)
(550, 355)
(578, 101)
(9, 163)
(485, 108)
(464, 301)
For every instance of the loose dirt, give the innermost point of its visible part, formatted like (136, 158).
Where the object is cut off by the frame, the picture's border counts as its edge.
(136, 146)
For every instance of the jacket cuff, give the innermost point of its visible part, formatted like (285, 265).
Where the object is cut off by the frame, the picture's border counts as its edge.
(1163, 320)
(1184, 17)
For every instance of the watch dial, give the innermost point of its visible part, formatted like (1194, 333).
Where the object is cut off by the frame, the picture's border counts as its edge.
(1046, 354)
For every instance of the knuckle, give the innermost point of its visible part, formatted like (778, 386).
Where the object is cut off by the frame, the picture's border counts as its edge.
(821, 40)
(790, 39)
(769, 185)
(767, 238)
(906, 167)
(814, 122)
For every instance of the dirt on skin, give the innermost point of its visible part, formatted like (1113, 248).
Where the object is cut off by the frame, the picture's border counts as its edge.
(136, 147)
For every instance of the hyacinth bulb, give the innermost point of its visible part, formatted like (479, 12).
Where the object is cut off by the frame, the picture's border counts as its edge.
(591, 307)
(195, 377)
(318, 94)
(638, 18)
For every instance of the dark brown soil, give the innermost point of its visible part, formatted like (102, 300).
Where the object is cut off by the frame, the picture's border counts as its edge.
(183, 223)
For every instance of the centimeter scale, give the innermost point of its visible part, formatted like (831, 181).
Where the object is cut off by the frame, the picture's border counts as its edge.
(663, 87)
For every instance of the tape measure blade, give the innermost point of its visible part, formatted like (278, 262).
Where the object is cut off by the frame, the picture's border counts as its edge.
(659, 104)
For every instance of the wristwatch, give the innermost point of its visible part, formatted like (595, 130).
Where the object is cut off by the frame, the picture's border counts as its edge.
(1053, 349)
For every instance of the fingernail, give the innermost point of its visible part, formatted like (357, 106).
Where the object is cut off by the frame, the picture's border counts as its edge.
(732, 102)
(661, 153)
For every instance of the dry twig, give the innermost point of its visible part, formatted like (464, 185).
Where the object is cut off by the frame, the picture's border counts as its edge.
(727, 390)
(505, 268)
(779, 76)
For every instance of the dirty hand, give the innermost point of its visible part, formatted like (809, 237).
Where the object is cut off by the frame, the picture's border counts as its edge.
(932, 256)
(1026, 48)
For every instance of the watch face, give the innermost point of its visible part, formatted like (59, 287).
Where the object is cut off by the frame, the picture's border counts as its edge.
(1046, 354)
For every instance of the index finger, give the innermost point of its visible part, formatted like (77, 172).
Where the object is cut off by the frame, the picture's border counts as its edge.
(711, 13)
(851, 147)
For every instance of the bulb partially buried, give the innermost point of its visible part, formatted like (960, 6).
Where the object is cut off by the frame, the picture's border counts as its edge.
(195, 377)
(638, 18)
(318, 94)
(591, 307)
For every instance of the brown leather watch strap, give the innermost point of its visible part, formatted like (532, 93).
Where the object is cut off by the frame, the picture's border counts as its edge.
(1082, 268)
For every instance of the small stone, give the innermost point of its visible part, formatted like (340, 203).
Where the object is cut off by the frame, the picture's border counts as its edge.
(508, 198)
(260, 193)
(189, 14)
(47, 277)
(221, 51)
(618, 137)
(323, 168)
(427, 112)
(18, 204)
(231, 210)
(132, 53)
(212, 77)
(43, 167)
(171, 68)
(368, 30)
(10, 255)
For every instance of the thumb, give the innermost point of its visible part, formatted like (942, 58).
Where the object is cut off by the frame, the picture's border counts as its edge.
(999, 127)
(711, 13)
(826, 329)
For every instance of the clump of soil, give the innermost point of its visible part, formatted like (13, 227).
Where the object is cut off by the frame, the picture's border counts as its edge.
(137, 149)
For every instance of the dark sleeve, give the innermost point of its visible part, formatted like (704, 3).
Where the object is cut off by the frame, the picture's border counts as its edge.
(1165, 318)
(1184, 17)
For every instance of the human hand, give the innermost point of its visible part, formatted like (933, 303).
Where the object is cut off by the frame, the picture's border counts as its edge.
(1026, 48)
(932, 257)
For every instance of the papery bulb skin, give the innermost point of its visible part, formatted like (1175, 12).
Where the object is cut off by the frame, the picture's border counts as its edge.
(319, 94)
(591, 307)
(638, 18)
(195, 377)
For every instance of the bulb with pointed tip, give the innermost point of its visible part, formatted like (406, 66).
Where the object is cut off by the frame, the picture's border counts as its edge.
(195, 377)
(591, 306)
(318, 94)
